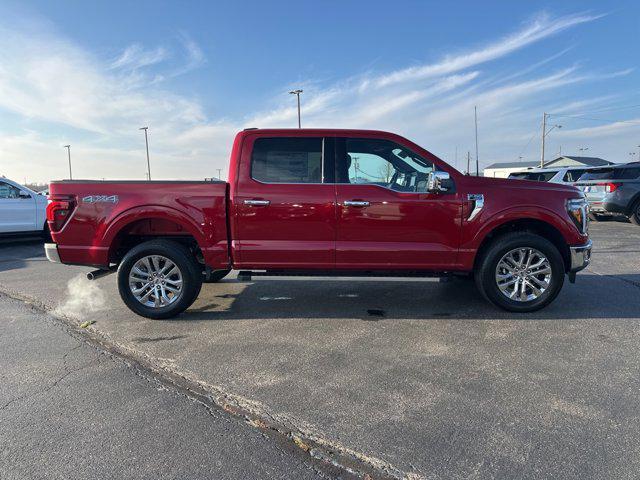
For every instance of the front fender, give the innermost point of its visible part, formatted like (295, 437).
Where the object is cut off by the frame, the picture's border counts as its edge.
(476, 231)
(519, 213)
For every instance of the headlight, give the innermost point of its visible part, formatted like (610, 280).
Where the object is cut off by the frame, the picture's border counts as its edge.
(578, 210)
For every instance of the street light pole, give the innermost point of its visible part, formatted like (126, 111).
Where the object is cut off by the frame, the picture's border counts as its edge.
(297, 94)
(68, 147)
(146, 141)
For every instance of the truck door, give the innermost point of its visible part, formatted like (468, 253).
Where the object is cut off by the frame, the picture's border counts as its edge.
(17, 209)
(283, 203)
(386, 217)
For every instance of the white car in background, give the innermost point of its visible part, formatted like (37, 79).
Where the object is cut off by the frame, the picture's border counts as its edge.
(564, 175)
(21, 209)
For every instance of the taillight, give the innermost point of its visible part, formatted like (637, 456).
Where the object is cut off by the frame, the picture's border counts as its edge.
(611, 187)
(58, 212)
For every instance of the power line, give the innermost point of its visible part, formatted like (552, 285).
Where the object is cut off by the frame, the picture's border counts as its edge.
(588, 112)
(594, 119)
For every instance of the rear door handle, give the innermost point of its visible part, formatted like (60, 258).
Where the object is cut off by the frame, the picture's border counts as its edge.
(356, 203)
(257, 203)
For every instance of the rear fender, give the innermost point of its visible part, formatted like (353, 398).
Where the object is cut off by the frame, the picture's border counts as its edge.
(148, 212)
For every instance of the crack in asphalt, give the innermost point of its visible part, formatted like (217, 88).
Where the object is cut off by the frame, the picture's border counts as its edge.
(56, 382)
(323, 456)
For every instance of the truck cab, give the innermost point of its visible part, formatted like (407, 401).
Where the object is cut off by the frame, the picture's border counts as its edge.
(324, 202)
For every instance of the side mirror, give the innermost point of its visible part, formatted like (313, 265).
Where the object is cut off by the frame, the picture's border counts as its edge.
(438, 182)
(23, 195)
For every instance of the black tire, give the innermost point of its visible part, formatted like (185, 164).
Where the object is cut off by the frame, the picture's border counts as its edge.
(46, 233)
(216, 276)
(635, 214)
(181, 257)
(485, 274)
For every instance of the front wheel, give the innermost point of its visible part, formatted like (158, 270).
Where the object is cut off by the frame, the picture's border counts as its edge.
(159, 279)
(520, 272)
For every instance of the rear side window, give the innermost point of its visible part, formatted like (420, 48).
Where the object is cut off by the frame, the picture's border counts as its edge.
(535, 176)
(573, 175)
(287, 160)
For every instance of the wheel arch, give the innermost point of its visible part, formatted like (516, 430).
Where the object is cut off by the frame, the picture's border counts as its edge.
(533, 225)
(140, 224)
(635, 200)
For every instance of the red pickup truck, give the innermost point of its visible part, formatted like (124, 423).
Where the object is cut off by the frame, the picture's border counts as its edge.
(322, 202)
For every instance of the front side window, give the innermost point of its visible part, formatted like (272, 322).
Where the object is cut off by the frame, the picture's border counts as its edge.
(8, 191)
(380, 162)
(287, 160)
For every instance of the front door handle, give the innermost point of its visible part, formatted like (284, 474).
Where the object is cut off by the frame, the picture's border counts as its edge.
(356, 203)
(257, 203)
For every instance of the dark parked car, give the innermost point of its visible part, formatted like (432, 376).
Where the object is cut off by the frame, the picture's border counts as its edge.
(613, 190)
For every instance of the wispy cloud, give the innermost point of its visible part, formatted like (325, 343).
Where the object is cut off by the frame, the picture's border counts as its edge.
(540, 28)
(135, 56)
(47, 80)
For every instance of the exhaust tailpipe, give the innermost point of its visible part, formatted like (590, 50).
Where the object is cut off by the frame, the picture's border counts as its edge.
(96, 274)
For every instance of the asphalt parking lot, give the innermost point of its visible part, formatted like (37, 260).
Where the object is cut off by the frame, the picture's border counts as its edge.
(415, 377)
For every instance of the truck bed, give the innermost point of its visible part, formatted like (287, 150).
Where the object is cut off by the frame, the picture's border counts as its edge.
(108, 213)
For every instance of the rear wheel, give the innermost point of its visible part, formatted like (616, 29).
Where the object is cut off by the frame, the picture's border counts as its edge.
(520, 272)
(159, 279)
(635, 215)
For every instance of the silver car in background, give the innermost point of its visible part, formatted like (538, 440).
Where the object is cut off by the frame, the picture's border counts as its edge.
(564, 175)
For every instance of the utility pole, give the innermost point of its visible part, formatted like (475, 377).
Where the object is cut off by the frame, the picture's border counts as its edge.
(355, 167)
(468, 161)
(475, 114)
(219, 173)
(544, 129)
(297, 94)
(146, 141)
(455, 161)
(545, 132)
(68, 147)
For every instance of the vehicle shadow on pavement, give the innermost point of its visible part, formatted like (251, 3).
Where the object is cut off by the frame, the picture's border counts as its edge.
(372, 300)
(16, 252)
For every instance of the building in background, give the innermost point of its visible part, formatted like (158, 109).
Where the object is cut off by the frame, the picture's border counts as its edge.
(503, 169)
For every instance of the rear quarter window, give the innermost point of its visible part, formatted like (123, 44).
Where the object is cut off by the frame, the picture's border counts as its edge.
(627, 173)
(603, 174)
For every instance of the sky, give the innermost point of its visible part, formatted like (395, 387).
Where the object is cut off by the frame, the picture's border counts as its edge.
(90, 74)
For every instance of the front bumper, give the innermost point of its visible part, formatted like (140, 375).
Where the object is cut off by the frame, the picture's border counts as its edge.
(51, 249)
(580, 257)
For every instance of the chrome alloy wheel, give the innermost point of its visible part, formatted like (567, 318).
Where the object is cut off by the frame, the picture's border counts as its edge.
(155, 281)
(523, 274)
